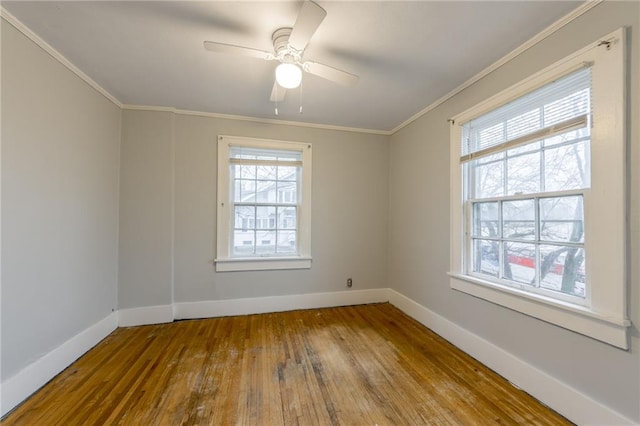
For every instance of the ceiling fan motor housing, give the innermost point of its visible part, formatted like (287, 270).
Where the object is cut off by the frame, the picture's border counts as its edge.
(289, 44)
(284, 52)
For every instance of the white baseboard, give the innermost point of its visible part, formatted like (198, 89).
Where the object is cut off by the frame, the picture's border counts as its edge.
(246, 306)
(258, 305)
(145, 315)
(561, 397)
(17, 388)
(564, 399)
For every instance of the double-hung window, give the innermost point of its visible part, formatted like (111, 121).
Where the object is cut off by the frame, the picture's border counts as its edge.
(538, 183)
(526, 169)
(264, 192)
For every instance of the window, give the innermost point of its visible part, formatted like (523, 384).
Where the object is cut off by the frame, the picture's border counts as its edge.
(264, 190)
(526, 168)
(538, 188)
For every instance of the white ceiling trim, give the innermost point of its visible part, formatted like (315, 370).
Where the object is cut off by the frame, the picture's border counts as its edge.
(588, 5)
(9, 18)
(256, 120)
(15, 22)
(583, 8)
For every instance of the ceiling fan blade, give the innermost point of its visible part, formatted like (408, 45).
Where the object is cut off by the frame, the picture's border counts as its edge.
(330, 73)
(309, 19)
(278, 92)
(238, 50)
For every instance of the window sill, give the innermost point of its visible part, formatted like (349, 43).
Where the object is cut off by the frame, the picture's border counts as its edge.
(572, 317)
(262, 263)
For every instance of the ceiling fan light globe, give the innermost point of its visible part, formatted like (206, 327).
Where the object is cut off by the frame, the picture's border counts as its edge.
(288, 76)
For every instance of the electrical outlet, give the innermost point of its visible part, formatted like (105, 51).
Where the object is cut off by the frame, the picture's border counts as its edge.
(349, 282)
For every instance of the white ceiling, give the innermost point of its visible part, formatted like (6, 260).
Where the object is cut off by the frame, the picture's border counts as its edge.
(407, 54)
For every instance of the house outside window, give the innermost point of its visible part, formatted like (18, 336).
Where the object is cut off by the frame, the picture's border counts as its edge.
(538, 195)
(264, 193)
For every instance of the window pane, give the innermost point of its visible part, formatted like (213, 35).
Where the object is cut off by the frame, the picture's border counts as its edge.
(243, 243)
(566, 137)
(287, 173)
(486, 257)
(518, 219)
(566, 167)
(523, 174)
(244, 191)
(287, 192)
(244, 217)
(287, 242)
(265, 242)
(562, 269)
(562, 219)
(245, 171)
(535, 146)
(265, 229)
(489, 179)
(520, 262)
(266, 172)
(490, 158)
(287, 218)
(265, 216)
(266, 191)
(485, 220)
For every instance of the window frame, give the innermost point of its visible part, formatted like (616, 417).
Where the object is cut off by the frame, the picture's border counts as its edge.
(535, 197)
(225, 260)
(603, 316)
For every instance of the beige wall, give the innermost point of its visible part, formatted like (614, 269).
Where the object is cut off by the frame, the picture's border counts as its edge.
(349, 211)
(419, 236)
(146, 203)
(60, 155)
(380, 212)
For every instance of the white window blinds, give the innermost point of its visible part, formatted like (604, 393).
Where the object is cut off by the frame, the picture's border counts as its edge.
(554, 108)
(267, 157)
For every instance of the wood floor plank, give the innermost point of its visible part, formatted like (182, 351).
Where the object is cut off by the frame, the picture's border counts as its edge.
(359, 365)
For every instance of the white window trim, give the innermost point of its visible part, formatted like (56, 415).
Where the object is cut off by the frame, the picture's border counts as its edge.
(224, 261)
(604, 317)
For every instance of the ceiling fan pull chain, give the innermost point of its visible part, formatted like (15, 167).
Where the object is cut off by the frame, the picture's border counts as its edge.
(300, 98)
(276, 99)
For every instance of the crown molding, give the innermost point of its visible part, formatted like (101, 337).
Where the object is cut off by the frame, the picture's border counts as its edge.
(9, 18)
(579, 11)
(560, 23)
(254, 119)
(17, 24)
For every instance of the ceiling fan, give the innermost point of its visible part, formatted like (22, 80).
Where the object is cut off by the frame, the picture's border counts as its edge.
(288, 49)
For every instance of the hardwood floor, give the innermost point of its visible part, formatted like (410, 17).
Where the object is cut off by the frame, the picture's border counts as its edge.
(362, 365)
